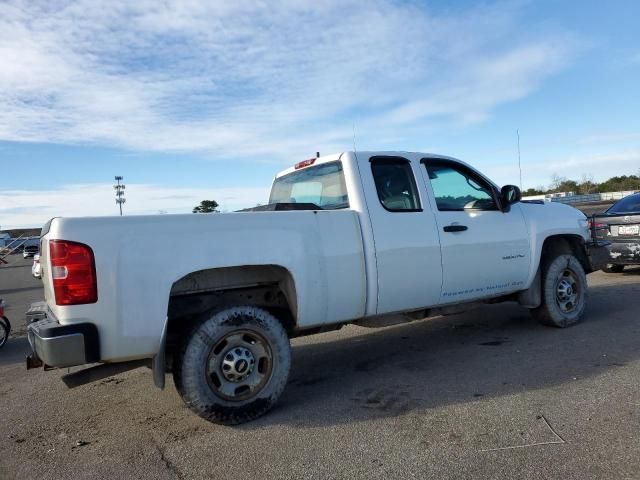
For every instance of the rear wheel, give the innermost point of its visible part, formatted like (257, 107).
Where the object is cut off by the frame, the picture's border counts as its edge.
(234, 365)
(613, 268)
(564, 292)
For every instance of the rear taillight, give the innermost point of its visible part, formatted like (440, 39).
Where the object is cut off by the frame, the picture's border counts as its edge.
(597, 226)
(73, 270)
(598, 230)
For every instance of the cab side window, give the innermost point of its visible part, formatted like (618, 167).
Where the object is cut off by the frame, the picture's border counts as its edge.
(395, 184)
(457, 188)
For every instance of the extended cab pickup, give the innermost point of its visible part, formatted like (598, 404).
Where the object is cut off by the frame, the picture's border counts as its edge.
(372, 238)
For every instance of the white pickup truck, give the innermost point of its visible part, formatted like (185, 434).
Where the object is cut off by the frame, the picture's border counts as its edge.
(372, 238)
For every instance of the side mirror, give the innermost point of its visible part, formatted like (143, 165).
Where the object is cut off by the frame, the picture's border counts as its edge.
(509, 194)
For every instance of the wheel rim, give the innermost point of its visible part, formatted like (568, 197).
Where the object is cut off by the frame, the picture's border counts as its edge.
(239, 365)
(568, 291)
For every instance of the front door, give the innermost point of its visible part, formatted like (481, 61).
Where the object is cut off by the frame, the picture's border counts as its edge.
(485, 251)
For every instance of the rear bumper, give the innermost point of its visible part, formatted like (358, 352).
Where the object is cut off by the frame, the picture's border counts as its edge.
(58, 345)
(624, 253)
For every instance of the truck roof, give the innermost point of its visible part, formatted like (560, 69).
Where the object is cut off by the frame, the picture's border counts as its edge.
(336, 156)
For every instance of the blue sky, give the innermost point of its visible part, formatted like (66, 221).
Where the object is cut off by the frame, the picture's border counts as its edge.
(194, 100)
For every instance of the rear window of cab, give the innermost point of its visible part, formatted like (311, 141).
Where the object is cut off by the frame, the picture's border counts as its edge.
(322, 185)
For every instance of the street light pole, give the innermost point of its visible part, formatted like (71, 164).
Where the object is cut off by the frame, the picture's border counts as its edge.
(119, 188)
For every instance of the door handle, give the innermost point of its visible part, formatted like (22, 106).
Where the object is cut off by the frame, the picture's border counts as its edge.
(455, 228)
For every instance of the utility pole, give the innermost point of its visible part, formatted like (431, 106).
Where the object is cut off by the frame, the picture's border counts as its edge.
(119, 188)
(519, 164)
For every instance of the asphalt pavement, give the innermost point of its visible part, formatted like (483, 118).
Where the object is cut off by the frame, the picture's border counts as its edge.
(486, 394)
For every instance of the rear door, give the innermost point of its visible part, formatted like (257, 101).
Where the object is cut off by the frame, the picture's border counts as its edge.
(406, 240)
(485, 252)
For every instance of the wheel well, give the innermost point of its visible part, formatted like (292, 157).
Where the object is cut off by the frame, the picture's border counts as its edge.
(563, 244)
(267, 286)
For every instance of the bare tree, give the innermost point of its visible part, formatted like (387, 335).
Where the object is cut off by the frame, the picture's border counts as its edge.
(587, 183)
(556, 182)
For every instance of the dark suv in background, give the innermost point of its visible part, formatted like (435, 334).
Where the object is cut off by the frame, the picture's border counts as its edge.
(620, 225)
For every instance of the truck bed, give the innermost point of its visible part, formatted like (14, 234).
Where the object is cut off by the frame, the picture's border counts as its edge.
(139, 258)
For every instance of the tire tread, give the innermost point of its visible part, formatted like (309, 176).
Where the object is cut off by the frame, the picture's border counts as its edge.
(548, 313)
(187, 379)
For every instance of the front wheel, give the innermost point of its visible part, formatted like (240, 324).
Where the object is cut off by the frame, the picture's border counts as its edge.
(564, 292)
(234, 365)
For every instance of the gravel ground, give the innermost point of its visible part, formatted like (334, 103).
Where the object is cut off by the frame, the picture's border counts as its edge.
(486, 394)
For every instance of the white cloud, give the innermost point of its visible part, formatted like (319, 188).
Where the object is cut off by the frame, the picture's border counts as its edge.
(615, 138)
(26, 208)
(248, 78)
(486, 83)
(606, 164)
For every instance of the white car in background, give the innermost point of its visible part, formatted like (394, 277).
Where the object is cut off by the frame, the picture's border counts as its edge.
(36, 269)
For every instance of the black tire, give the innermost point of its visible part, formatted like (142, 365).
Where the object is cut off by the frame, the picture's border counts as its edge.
(564, 292)
(5, 330)
(234, 365)
(613, 268)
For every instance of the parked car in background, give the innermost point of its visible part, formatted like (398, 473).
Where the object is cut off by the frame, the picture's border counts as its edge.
(36, 267)
(29, 252)
(620, 225)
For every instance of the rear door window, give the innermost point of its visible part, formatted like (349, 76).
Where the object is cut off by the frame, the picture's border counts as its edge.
(395, 184)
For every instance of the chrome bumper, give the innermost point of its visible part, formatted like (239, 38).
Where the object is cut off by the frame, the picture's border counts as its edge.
(56, 345)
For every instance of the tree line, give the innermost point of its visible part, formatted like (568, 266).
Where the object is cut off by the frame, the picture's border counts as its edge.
(587, 185)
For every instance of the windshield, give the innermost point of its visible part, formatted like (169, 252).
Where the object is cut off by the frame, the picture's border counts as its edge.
(629, 204)
(322, 185)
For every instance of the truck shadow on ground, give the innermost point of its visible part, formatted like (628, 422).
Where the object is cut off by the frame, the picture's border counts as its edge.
(491, 351)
